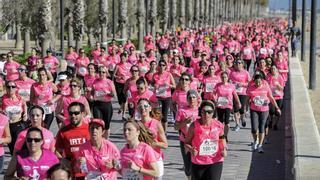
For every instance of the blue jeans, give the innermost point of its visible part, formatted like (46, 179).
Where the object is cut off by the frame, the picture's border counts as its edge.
(1, 164)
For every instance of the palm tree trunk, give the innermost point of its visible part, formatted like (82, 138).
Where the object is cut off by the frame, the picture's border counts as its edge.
(123, 5)
(103, 18)
(173, 14)
(18, 43)
(182, 17)
(141, 21)
(196, 13)
(45, 25)
(153, 17)
(26, 46)
(78, 22)
(165, 15)
(70, 31)
(189, 13)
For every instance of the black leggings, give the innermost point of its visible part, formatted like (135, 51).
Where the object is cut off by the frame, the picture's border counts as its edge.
(165, 105)
(247, 63)
(104, 111)
(272, 109)
(120, 94)
(258, 121)
(243, 99)
(207, 172)
(224, 115)
(186, 156)
(15, 129)
(48, 120)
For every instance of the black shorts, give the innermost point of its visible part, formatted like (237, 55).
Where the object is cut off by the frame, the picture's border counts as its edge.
(272, 109)
(243, 99)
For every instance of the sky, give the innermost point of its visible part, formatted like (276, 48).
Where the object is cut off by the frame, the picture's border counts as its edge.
(284, 4)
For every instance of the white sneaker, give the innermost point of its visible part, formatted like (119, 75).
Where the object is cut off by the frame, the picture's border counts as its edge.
(260, 149)
(254, 146)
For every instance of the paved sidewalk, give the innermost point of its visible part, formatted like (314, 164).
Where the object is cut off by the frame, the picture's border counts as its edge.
(241, 163)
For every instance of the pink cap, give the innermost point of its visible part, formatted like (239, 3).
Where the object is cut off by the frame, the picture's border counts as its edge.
(100, 122)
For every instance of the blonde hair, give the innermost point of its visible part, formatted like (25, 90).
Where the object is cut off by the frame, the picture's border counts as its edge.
(145, 134)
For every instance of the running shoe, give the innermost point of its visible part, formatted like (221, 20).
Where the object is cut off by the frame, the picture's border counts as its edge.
(254, 146)
(260, 149)
(236, 128)
(243, 122)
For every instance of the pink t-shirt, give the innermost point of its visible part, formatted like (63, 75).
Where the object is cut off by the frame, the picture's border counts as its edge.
(247, 53)
(162, 82)
(273, 81)
(143, 156)
(35, 169)
(48, 140)
(180, 98)
(12, 108)
(95, 53)
(143, 67)
(135, 96)
(207, 142)
(176, 72)
(71, 58)
(282, 65)
(240, 79)
(225, 94)
(209, 87)
(123, 72)
(24, 87)
(152, 125)
(43, 94)
(11, 68)
(96, 159)
(259, 100)
(182, 115)
(64, 89)
(187, 50)
(3, 122)
(111, 62)
(101, 89)
(32, 62)
(81, 65)
(51, 63)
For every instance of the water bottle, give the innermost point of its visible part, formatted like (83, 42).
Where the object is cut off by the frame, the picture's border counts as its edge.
(83, 167)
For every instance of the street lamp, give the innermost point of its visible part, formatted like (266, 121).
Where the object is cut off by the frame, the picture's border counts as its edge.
(62, 27)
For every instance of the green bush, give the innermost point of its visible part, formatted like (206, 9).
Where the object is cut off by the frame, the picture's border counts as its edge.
(22, 58)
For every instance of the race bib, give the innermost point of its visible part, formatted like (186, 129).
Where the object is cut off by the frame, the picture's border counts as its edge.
(99, 95)
(70, 63)
(222, 101)
(208, 147)
(276, 92)
(239, 89)
(129, 94)
(112, 67)
(25, 94)
(144, 69)
(48, 66)
(246, 51)
(12, 111)
(129, 174)
(96, 176)
(263, 51)
(82, 70)
(260, 101)
(209, 87)
(161, 91)
(47, 109)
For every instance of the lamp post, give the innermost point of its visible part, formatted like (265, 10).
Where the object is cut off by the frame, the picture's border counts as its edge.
(303, 29)
(113, 20)
(313, 46)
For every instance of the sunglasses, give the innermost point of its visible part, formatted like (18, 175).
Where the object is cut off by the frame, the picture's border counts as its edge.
(102, 72)
(163, 65)
(36, 140)
(185, 79)
(140, 88)
(192, 97)
(74, 113)
(73, 85)
(145, 106)
(11, 87)
(239, 62)
(207, 111)
(135, 70)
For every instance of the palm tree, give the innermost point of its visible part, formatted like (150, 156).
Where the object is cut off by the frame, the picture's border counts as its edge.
(78, 22)
(123, 5)
(173, 14)
(196, 13)
(140, 21)
(165, 15)
(182, 17)
(153, 17)
(103, 19)
(44, 25)
(189, 14)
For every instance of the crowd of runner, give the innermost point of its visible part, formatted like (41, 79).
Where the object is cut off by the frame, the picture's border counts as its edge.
(203, 77)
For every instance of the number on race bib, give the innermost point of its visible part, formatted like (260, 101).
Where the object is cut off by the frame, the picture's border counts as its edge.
(259, 101)
(246, 51)
(161, 91)
(209, 87)
(222, 101)
(208, 147)
(47, 109)
(99, 95)
(129, 174)
(83, 70)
